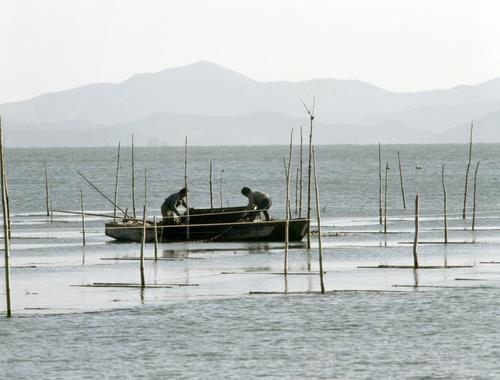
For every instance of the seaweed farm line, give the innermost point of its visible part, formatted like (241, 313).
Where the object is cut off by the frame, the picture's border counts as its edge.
(219, 309)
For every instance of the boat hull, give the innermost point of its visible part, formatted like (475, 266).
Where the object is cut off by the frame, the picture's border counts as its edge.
(216, 232)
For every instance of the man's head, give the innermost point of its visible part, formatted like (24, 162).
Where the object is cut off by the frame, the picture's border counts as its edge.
(183, 192)
(246, 191)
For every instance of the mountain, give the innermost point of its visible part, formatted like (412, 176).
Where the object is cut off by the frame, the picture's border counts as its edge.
(434, 118)
(486, 130)
(170, 129)
(221, 106)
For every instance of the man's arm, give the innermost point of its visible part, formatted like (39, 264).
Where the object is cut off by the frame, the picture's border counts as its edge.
(173, 207)
(251, 202)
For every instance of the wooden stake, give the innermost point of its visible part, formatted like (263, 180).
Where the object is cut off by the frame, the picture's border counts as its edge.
(285, 167)
(380, 183)
(156, 238)
(301, 175)
(9, 220)
(474, 202)
(210, 185)
(186, 185)
(311, 118)
(220, 187)
(297, 192)
(116, 179)
(145, 187)
(464, 214)
(46, 188)
(143, 242)
(6, 233)
(133, 179)
(415, 277)
(385, 197)
(83, 216)
(445, 207)
(100, 192)
(415, 241)
(7, 193)
(401, 180)
(87, 213)
(318, 216)
(287, 175)
(51, 211)
(287, 205)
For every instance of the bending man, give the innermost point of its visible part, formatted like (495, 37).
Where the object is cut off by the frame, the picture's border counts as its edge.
(169, 210)
(257, 199)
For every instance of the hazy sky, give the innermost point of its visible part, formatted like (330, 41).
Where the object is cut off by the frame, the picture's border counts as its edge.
(48, 45)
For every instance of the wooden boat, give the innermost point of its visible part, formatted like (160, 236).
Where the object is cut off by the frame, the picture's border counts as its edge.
(220, 224)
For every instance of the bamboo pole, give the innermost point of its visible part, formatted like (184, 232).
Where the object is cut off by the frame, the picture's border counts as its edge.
(301, 175)
(464, 214)
(145, 187)
(87, 213)
(285, 167)
(415, 277)
(309, 187)
(318, 216)
(186, 185)
(133, 179)
(445, 207)
(46, 188)
(287, 205)
(297, 192)
(386, 189)
(311, 118)
(156, 238)
(5, 178)
(6, 233)
(415, 241)
(100, 192)
(380, 183)
(220, 187)
(116, 180)
(401, 180)
(210, 185)
(83, 216)
(474, 201)
(51, 211)
(287, 178)
(9, 220)
(143, 242)
(140, 219)
(168, 226)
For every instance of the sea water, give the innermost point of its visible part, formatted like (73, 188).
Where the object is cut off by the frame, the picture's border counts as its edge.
(207, 320)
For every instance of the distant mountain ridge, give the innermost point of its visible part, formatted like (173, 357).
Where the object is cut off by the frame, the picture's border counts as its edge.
(218, 104)
(266, 128)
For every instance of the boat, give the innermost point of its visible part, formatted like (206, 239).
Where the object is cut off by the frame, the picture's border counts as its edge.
(210, 225)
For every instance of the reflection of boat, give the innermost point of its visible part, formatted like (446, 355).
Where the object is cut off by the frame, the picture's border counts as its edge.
(218, 224)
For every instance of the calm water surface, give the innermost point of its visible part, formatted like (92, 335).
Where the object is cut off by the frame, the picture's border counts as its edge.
(205, 323)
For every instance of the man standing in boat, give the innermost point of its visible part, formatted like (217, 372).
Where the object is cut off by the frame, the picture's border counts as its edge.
(169, 210)
(257, 199)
